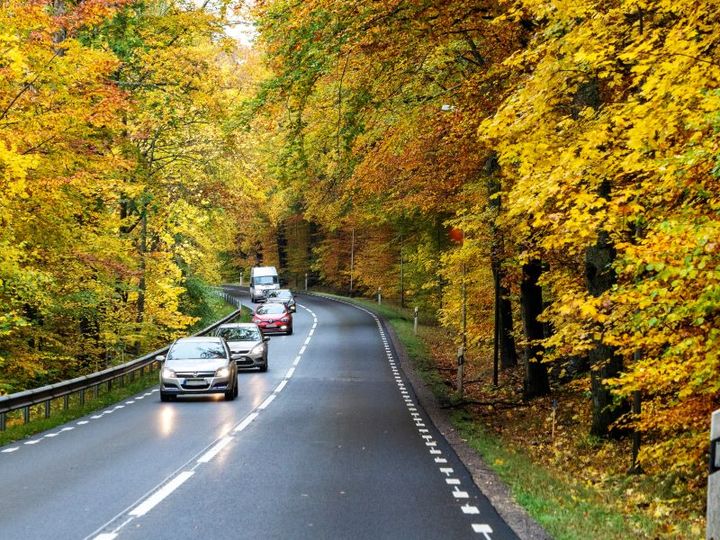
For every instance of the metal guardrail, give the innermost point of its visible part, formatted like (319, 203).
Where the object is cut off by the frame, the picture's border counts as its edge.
(45, 394)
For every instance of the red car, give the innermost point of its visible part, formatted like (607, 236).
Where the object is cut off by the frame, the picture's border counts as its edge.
(273, 318)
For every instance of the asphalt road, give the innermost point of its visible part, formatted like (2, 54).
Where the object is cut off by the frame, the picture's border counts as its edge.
(329, 443)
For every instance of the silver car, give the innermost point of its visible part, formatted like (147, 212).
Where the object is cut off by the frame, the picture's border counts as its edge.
(247, 342)
(198, 365)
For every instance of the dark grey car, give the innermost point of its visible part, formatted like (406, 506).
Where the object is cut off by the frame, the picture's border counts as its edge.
(247, 343)
(282, 295)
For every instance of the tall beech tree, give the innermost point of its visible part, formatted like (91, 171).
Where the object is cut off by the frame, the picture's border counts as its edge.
(383, 111)
(121, 177)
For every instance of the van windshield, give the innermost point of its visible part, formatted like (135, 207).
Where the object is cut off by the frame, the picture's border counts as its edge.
(265, 280)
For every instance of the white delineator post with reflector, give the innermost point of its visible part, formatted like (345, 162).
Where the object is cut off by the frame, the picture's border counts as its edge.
(713, 496)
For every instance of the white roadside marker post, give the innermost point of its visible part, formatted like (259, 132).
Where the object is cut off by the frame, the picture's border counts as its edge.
(713, 494)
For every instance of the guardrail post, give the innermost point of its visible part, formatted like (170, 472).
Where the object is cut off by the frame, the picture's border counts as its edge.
(415, 321)
(66, 402)
(26, 414)
(82, 397)
(713, 494)
(47, 408)
(109, 385)
(2, 421)
(96, 391)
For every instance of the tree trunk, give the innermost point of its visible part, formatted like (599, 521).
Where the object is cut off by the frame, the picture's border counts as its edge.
(536, 377)
(142, 249)
(600, 277)
(504, 340)
(508, 353)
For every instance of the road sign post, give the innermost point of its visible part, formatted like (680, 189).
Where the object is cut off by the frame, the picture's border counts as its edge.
(460, 370)
(713, 494)
(415, 321)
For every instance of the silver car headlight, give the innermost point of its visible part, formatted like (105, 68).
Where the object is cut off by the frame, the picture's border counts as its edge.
(257, 349)
(223, 372)
(168, 373)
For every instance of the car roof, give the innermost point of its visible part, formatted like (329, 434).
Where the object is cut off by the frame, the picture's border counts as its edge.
(239, 325)
(199, 339)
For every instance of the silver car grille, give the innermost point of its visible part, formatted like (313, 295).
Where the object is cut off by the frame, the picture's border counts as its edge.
(194, 374)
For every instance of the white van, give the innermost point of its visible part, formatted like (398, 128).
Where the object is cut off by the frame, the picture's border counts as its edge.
(262, 279)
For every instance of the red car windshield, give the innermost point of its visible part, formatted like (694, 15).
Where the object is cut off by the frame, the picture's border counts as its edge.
(271, 309)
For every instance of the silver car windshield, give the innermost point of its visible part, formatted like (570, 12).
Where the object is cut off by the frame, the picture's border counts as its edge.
(184, 350)
(239, 334)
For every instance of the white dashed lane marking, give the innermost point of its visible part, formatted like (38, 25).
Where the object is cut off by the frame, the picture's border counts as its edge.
(215, 450)
(149, 393)
(245, 423)
(459, 494)
(155, 496)
(267, 402)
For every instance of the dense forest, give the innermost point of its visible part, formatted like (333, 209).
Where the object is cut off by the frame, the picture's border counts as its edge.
(556, 160)
(122, 178)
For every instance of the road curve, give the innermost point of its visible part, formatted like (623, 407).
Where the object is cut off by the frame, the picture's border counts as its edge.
(329, 443)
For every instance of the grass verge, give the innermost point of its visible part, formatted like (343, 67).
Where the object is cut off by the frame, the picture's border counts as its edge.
(75, 410)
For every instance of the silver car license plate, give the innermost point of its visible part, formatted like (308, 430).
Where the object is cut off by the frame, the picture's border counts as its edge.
(195, 382)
